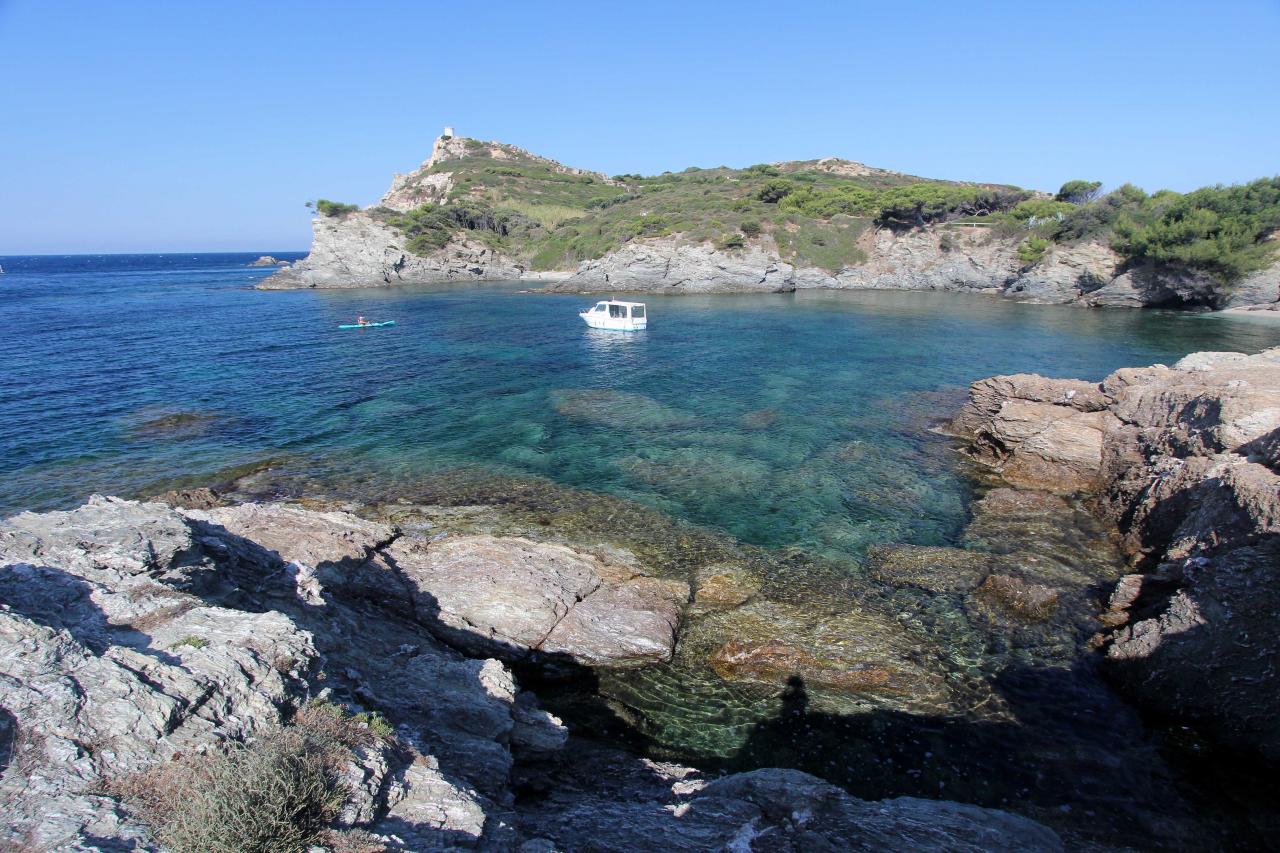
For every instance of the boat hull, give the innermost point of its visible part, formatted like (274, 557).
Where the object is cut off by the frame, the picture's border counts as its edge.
(614, 324)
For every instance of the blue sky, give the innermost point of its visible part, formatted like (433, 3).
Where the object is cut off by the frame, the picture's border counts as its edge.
(176, 126)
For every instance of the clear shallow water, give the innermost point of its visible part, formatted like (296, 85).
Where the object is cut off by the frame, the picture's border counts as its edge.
(786, 420)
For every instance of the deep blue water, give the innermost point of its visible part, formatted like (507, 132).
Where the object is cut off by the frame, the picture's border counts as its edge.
(786, 420)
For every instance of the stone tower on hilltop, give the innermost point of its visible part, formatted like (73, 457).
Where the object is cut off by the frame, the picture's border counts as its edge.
(448, 132)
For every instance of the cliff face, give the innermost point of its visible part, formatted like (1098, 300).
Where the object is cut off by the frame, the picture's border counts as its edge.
(1183, 461)
(359, 251)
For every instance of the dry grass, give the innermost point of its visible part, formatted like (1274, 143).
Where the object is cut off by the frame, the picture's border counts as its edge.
(278, 794)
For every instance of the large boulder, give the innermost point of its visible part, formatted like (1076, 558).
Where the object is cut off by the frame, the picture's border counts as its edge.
(513, 598)
(1039, 433)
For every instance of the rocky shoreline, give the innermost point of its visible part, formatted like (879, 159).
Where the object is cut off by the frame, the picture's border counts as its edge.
(1182, 460)
(489, 648)
(358, 251)
(134, 635)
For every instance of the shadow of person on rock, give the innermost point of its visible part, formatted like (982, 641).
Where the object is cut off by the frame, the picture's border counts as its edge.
(1081, 763)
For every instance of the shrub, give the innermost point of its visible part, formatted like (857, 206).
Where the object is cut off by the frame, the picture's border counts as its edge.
(1035, 210)
(324, 207)
(750, 227)
(1079, 192)
(429, 228)
(775, 191)
(921, 203)
(1031, 250)
(276, 795)
(192, 641)
(764, 169)
(824, 204)
(731, 241)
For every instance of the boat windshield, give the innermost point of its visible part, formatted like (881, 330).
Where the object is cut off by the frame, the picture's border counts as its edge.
(637, 311)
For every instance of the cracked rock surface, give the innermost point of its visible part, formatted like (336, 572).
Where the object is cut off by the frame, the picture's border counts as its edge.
(132, 632)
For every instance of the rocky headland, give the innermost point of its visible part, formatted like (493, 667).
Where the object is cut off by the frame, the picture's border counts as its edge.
(1182, 461)
(495, 212)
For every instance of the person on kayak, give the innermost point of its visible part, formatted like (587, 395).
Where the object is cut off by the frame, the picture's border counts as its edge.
(361, 321)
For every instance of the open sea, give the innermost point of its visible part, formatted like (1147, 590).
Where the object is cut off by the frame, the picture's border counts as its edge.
(799, 423)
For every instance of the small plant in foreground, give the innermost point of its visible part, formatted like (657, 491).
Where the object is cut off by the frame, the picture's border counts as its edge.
(276, 794)
(192, 641)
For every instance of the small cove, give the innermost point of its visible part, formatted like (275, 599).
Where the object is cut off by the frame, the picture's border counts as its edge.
(795, 426)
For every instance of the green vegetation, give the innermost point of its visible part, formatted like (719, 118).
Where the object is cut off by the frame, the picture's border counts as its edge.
(335, 209)
(1032, 249)
(276, 794)
(1223, 232)
(813, 213)
(192, 641)
(1079, 192)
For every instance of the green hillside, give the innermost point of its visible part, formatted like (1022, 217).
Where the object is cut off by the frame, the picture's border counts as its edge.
(813, 213)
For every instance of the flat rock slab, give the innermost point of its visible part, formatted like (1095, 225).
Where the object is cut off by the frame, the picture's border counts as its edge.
(298, 535)
(510, 596)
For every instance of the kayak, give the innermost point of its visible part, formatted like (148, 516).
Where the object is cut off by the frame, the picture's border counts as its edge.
(368, 325)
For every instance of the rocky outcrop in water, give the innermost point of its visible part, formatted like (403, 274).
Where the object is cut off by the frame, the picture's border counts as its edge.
(1183, 461)
(134, 636)
(357, 250)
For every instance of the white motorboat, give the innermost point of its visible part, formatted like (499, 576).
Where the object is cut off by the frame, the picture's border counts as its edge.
(619, 316)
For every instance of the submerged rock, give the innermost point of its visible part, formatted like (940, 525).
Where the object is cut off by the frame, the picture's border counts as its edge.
(176, 425)
(932, 568)
(848, 660)
(1029, 601)
(618, 409)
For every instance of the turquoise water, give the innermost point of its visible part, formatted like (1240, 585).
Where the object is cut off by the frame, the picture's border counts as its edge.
(794, 420)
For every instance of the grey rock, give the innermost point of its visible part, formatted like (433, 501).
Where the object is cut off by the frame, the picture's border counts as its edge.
(1183, 463)
(671, 265)
(509, 596)
(358, 250)
(1067, 273)
(107, 670)
(785, 810)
